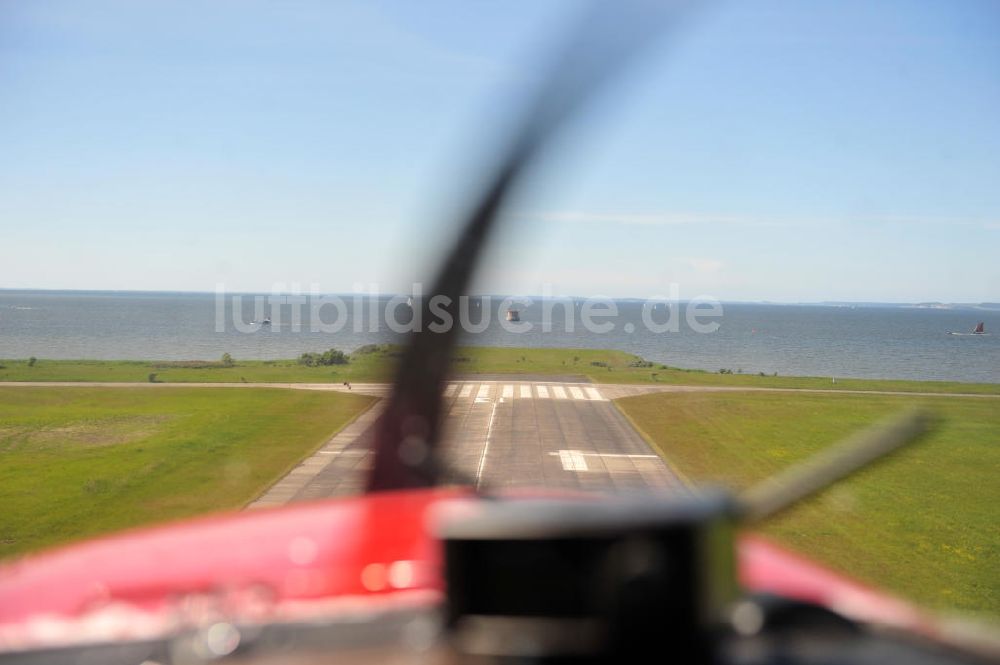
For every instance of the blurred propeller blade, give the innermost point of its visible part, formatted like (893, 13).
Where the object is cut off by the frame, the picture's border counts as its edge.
(787, 488)
(609, 37)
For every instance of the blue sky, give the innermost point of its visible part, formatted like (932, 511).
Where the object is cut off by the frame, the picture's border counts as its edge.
(785, 151)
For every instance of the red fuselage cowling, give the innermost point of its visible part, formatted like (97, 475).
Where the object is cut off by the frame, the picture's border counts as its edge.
(337, 556)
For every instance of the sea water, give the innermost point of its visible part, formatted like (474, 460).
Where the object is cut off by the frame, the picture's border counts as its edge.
(809, 340)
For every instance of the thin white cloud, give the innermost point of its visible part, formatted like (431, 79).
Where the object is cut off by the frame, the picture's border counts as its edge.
(704, 265)
(686, 218)
(649, 219)
(985, 223)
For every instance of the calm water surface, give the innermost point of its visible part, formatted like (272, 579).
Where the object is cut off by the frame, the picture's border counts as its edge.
(868, 342)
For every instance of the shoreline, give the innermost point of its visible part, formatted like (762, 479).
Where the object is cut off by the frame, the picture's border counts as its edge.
(375, 363)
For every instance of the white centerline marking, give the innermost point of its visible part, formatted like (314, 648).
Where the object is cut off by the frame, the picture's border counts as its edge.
(559, 392)
(486, 447)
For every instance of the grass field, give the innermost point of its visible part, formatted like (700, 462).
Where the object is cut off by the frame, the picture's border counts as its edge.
(601, 366)
(76, 462)
(922, 523)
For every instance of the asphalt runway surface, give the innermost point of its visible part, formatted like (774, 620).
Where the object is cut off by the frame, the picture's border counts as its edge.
(504, 435)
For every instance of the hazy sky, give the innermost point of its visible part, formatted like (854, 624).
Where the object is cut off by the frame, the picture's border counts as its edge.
(779, 151)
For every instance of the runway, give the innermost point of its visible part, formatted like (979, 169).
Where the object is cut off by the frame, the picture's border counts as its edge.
(503, 435)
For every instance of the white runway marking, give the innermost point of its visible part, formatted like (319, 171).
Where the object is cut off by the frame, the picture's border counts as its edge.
(450, 390)
(543, 391)
(594, 394)
(484, 391)
(559, 392)
(572, 460)
(576, 392)
(525, 392)
(466, 390)
(576, 460)
(486, 447)
(508, 392)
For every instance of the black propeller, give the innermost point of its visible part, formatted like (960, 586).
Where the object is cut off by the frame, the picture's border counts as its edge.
(608, 38)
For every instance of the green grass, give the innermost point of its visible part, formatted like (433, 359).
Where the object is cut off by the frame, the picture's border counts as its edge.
(922, 523)
(77, 462)
(363, 367)
(601, 366)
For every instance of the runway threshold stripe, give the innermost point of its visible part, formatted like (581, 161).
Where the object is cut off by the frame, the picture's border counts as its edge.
(559, 392)
(484, 391)
(508, 392)
(576, 392)
(543, 391)
(450, 390)
(525, 392)
(466, 390)
(594, 394)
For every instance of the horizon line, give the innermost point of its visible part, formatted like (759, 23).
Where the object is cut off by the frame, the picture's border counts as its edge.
(762, 301)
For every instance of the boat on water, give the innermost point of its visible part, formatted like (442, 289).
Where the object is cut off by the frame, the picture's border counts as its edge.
(513, 315)
(980, 329)
(266, 321)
